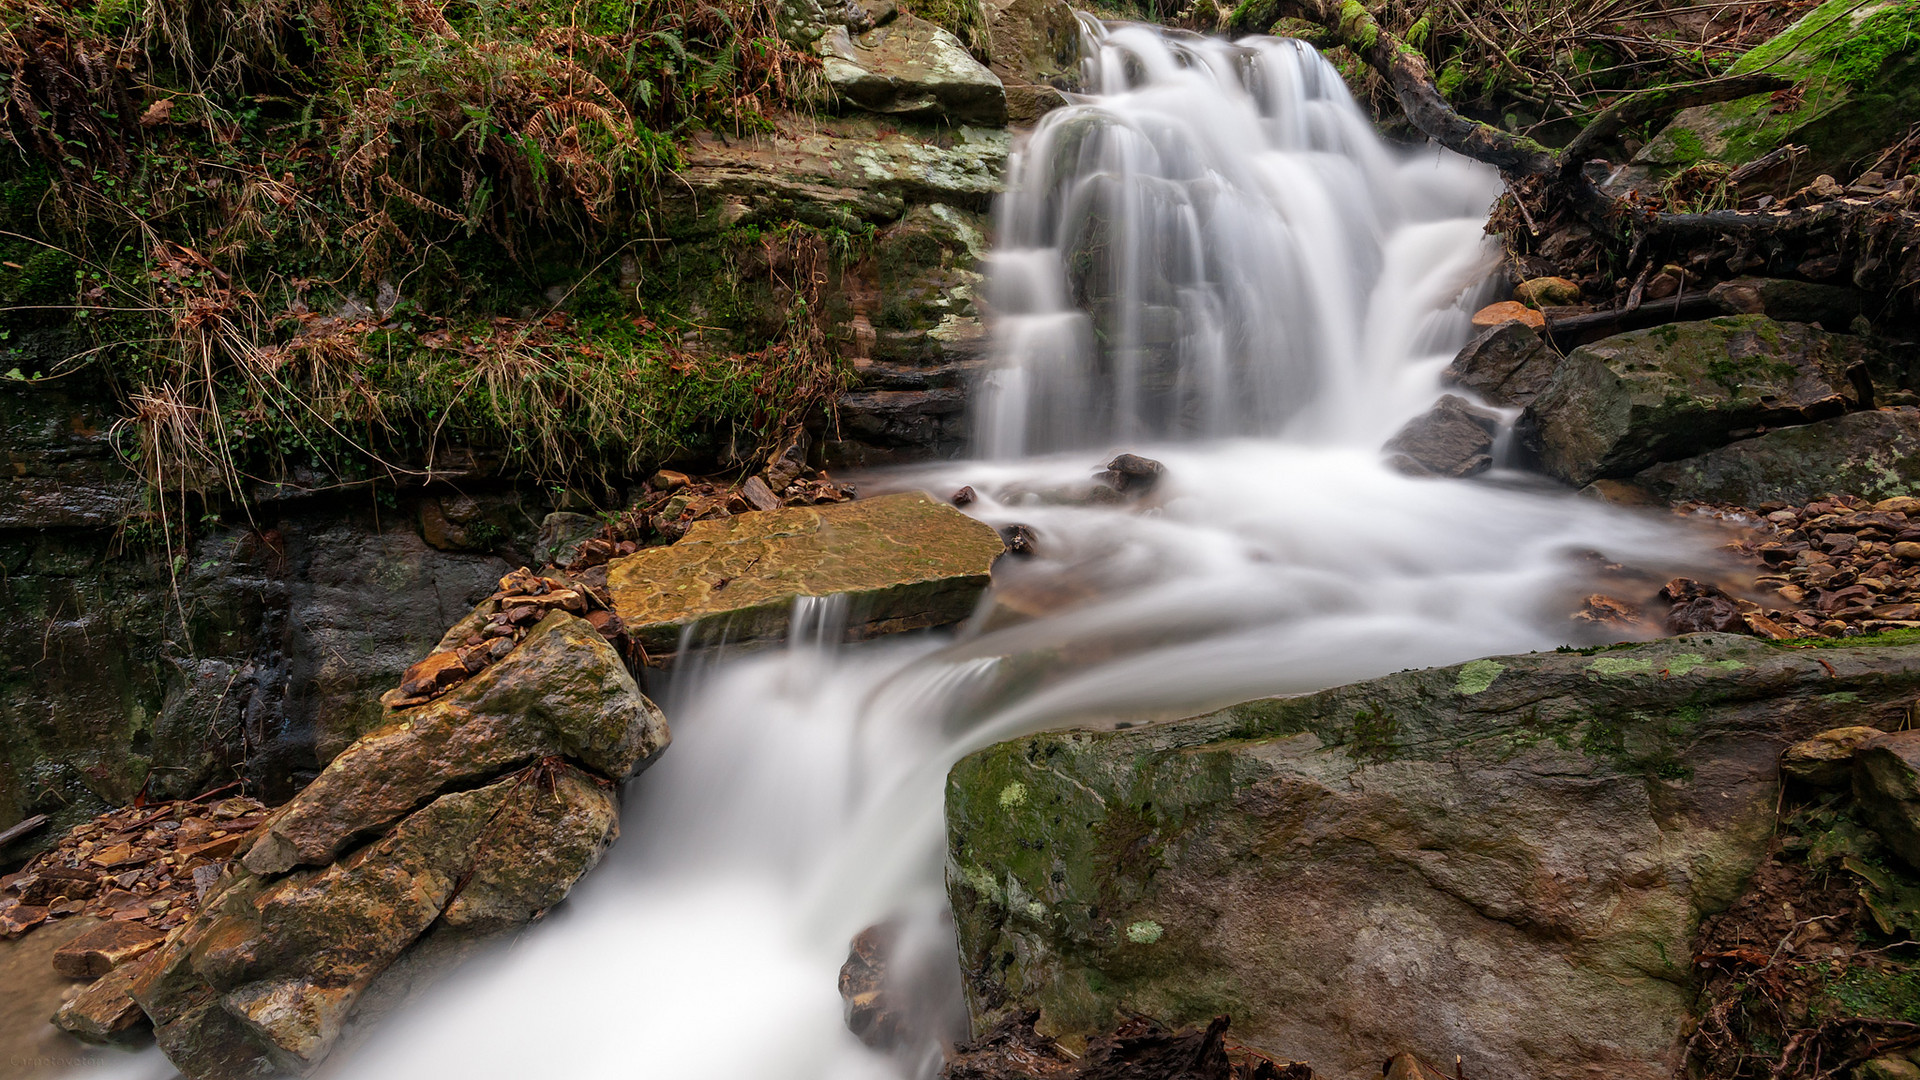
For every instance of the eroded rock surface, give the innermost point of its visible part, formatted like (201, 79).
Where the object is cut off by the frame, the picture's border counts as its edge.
(1621, 404)
(1452, 439)
(1504, 859)
(903, 562)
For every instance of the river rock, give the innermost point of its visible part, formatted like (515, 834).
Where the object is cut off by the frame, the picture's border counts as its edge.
(1507, 365)
(562, 692)
(903, 561)
(1547, 292)
(1505, 859)
(1874, 453)
(911, 67)
(268, 972)
(1626, 402)
(1826, 760)
(1886, 783)
(1451, 439)
(1832, 306)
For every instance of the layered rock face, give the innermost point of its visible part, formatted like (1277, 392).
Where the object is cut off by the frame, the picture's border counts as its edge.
(1504, 860)
(471, 814)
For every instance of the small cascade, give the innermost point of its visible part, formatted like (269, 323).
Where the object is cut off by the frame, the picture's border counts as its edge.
(1211, 243)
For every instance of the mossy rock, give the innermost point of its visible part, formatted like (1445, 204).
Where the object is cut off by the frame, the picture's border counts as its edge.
(1621, 404)
(1875, 454)
(1505, 859)
(1858, 72)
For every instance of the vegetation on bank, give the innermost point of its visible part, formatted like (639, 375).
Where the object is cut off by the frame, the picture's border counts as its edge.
(333, 238)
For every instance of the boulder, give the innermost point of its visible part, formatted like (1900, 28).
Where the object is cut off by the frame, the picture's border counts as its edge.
(1504, 860)
(1826, 760)
(269, 970)
(1507, 365)
(1451, 439)
(903, 561)
(1875, 454)
(1886, 784)
(911, 67)
(1621, 404)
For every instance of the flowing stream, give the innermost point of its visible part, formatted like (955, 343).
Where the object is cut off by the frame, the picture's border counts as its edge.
(1213, 261)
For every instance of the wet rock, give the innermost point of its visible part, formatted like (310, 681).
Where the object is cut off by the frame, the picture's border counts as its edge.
(1131, 474)
(562, 692)
(1547, 292)
(1627, 402)
(1826, 760)
(1886, 785)
(1507, 311)
(1701, 608)
(105, 948)
(1453, 439)
(1611, 613)
(1874, 453)
(1507, 365)
(1022, 540)
(268, 972)
(911, 67)
(863, 982)
(904, 561)
(1505, 860)
(964, 497)
(105, 1012)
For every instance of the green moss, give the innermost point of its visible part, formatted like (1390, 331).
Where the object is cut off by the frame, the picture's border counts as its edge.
(1477, 675)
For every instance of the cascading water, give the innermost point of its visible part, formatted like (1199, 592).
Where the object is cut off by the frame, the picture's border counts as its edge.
(1211, 260)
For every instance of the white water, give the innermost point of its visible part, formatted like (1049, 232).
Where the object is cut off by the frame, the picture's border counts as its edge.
(1284, 292)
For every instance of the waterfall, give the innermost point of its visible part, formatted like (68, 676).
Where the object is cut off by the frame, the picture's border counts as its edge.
(1217, 243)
(1210, 259)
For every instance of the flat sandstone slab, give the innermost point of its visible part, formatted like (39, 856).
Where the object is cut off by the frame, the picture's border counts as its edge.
(904, 562)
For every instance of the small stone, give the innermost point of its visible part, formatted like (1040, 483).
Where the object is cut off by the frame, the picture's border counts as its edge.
(964, 497)
(1021, 539)
(1132, 473)
(759, 495)
(1826, 760)
(1547, 292)
(103, 948)
(435, 673)
(1507, 311)
(1907, 550)
(606, 623)
(1899, 504)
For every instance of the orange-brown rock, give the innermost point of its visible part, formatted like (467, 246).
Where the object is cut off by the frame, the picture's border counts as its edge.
(1507, 311)
(104, 1012)
(104, 948)
(435, 673)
